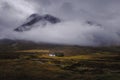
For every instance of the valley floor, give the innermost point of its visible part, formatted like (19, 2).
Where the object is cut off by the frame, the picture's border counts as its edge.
(37, 67)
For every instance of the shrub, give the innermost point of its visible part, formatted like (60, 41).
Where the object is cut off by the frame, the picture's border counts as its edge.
(59, 54)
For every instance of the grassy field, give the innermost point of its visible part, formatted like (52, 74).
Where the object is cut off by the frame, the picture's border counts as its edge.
(24, 66)
(77, 64)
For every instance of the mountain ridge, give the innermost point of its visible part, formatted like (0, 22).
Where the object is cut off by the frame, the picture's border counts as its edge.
(36, 18)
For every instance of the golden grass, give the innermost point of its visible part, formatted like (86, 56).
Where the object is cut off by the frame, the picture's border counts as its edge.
(34, 51)
(80, 57)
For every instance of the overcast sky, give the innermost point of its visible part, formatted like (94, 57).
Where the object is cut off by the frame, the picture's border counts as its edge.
(73, 13)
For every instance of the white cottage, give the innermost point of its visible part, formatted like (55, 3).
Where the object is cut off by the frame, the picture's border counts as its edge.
(52, 54)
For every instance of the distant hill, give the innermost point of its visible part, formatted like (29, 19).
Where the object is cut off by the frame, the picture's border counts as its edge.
(15, 45)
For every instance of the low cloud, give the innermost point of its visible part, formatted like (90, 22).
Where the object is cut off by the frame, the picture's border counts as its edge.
(72, 30)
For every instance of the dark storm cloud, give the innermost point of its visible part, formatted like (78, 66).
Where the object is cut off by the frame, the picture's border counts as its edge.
(73, 28)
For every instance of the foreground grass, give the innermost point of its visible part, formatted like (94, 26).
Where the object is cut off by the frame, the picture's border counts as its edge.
(27, 70)
(28, 66)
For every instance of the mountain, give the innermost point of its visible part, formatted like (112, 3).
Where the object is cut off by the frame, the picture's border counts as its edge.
(9, 44)
(40, 20)
(6, 41)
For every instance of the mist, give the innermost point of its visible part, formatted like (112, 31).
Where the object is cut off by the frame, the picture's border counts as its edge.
(72, 30)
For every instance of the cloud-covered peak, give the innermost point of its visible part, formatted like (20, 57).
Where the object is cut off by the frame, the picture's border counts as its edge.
(84, 22)
(40, 20)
